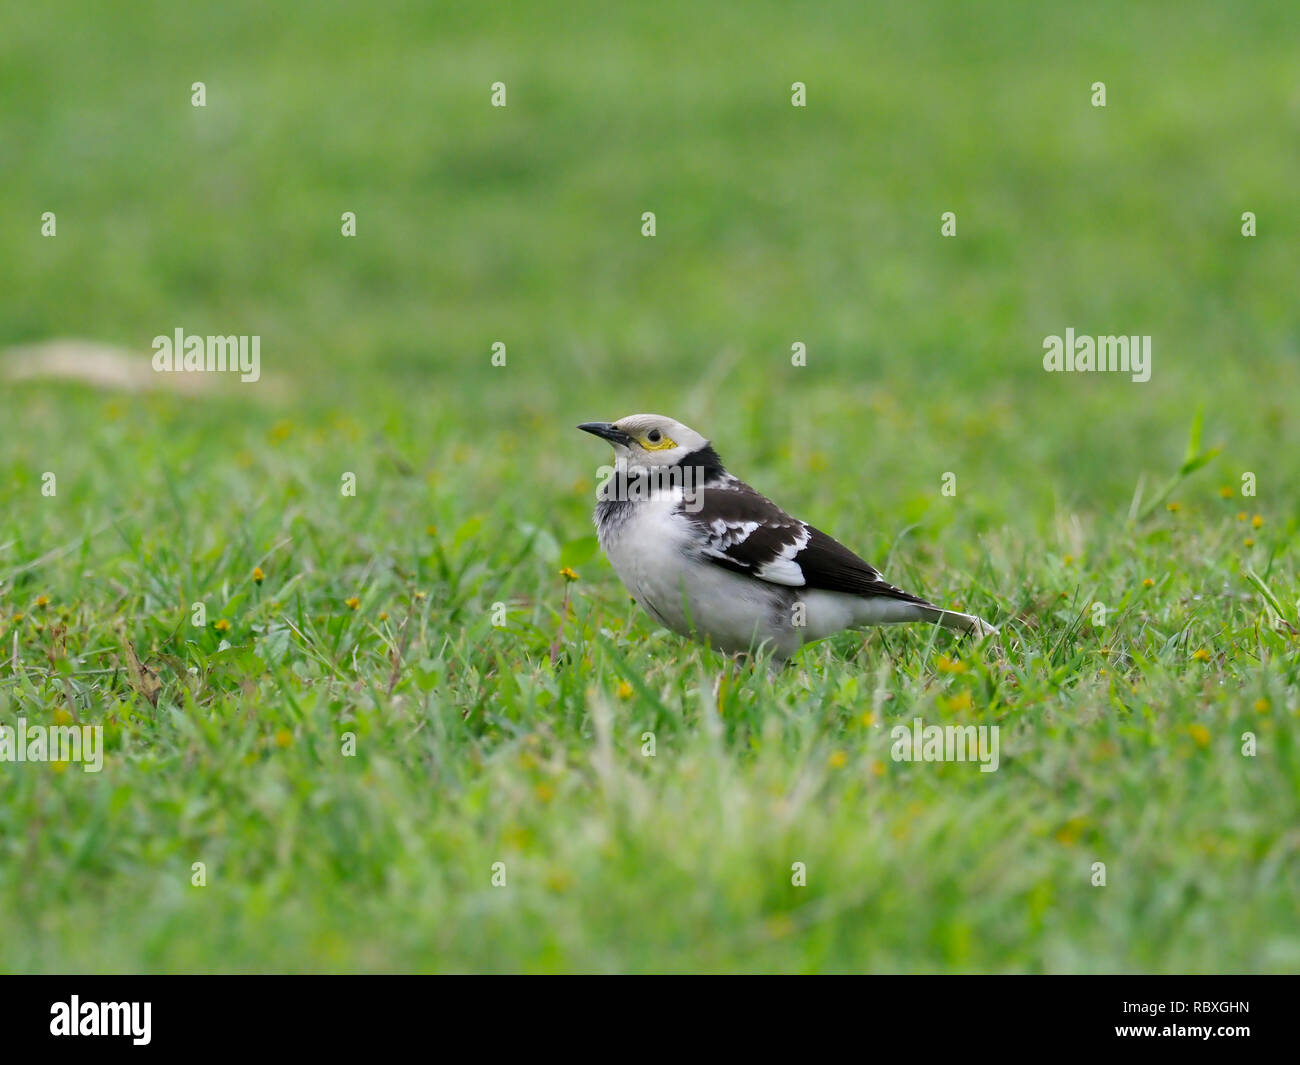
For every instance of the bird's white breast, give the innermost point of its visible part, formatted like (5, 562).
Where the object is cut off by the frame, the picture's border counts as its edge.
(654, 552)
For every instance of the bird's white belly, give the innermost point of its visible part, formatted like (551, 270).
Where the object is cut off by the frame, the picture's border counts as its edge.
(653, 558)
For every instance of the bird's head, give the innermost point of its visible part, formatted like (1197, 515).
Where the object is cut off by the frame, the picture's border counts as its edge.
(648, 441)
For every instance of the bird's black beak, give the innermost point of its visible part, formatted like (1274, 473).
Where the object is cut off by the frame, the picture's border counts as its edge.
(606, 431)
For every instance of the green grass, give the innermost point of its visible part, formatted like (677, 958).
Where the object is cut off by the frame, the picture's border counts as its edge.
(1120, 743)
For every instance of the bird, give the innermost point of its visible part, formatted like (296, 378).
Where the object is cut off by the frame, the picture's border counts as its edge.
(714, 560)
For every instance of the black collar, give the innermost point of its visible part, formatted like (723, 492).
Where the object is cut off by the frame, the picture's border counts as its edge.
(707, 460)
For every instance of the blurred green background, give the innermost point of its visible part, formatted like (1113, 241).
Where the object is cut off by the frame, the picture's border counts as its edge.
(522, 224)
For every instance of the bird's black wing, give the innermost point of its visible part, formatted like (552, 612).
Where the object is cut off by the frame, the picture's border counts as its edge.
(744, 531)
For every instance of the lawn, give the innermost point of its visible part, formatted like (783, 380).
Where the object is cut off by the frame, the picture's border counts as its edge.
(400, 738)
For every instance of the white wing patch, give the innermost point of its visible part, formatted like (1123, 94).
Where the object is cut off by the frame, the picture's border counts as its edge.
(784, 569)
(725, 534)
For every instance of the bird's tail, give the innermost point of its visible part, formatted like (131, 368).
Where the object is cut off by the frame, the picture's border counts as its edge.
(901, 608)
(952, 619)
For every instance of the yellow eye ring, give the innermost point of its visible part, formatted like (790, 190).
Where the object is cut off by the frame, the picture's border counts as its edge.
(664, 443)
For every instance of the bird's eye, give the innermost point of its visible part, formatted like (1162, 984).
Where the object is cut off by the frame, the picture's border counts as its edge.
(654, 436)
